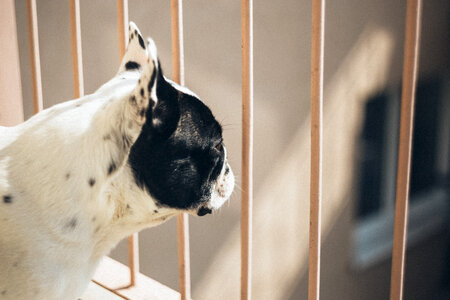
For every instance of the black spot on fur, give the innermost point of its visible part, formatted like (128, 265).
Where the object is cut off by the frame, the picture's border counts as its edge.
(68, 175)
(7, 199)
(141, 41)
(142, 113)
(227, 170)
(91, 181)
(71, 224)
(142, 92)
(155, 211)
(128, 206)
(131, 65)
(106, 137)
(112, 167)
(133, 99)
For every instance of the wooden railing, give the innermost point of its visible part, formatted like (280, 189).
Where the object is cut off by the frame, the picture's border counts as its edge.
(131, 290)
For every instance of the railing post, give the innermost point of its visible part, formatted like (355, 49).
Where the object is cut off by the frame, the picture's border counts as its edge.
(247, 149)
(77, 58)
(33, 37)
(182, 219)
(133, 240)
(317, 55)
(410, 62)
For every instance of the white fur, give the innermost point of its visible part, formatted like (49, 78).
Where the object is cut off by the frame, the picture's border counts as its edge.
(57, 226)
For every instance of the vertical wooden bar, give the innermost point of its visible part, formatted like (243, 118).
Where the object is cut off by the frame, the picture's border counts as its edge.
(182, 220)
(34, 55)
(247, 148)
(122, 22)
(177, 41)
(317, 55)
(133, 257)
(410, 62)
(133, 240)
(11, 106)
(77, 58)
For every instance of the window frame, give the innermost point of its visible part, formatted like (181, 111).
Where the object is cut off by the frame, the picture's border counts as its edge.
(372, 235)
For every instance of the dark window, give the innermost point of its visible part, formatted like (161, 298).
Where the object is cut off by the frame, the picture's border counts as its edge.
(374, 151)
(424, 173)
(371, 155)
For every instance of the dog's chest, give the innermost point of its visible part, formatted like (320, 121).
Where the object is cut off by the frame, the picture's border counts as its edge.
(54, 238)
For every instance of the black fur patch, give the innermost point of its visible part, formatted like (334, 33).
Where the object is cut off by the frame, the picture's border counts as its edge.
(112, 167)
(7, 199)
(176, 161)
(141, 41)
(91, 181)
(131, 65)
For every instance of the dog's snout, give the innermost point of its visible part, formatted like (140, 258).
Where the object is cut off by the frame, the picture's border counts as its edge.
(203, 211)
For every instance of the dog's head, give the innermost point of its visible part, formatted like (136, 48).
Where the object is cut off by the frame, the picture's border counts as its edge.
(180, 157)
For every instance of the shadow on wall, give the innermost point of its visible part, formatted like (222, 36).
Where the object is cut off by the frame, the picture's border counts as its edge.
(281, 229)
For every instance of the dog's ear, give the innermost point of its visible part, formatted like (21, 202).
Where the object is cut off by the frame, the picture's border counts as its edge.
(159, 97)
(166, 111)
(136, 54)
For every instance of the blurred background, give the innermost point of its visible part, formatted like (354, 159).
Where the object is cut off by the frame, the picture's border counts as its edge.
(363, 67)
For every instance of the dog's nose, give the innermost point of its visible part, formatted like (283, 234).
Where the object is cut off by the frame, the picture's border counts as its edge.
(203, 211)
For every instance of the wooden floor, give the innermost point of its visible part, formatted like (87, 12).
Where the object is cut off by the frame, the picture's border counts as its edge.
(111, 282)
(96, 292)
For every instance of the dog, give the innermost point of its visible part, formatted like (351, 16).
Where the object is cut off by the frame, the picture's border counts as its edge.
(80, 176)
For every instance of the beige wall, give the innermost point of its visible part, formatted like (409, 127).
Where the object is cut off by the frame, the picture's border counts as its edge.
(363, 53)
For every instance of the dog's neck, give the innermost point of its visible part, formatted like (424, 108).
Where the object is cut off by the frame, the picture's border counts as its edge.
(130, 209)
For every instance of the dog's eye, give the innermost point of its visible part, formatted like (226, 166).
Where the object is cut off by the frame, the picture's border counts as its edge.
(219, 147)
